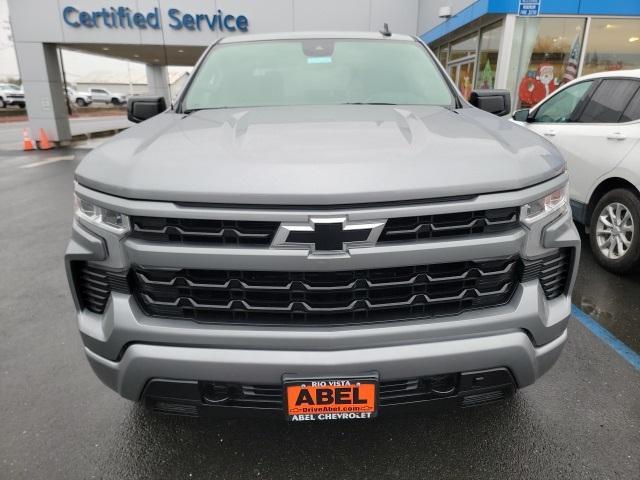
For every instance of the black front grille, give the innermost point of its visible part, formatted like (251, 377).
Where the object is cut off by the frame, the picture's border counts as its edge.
(325, 298)
(552, 270)
(258, 233)
(216, 232)
(449, 225)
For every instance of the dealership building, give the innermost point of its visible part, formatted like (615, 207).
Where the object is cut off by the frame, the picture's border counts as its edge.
(527, 46)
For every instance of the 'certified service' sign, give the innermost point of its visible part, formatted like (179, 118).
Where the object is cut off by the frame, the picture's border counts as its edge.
(124, 17)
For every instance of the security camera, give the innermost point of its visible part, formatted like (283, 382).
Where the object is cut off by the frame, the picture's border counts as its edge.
(444, 12)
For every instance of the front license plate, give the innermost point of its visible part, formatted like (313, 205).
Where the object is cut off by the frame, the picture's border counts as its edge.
(331, 398)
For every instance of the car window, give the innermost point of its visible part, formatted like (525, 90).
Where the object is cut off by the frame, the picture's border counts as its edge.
(632, 112)
(608, 102)
(558, 109)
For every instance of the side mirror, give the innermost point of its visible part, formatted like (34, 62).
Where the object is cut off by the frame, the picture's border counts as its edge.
(140, 109)
(523, 115)
(497, 102)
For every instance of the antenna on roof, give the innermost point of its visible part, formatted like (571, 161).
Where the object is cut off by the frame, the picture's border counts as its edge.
(385, 31)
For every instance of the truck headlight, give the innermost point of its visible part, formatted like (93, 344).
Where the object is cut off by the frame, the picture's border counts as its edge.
(102, 217)
(543, 207)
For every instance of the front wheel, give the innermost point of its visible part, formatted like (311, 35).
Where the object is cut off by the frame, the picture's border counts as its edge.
(115, 101)
(2, 103)
(615, 231)
(81, 102)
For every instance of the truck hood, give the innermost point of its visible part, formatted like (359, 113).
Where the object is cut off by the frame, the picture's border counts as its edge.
(320, 155)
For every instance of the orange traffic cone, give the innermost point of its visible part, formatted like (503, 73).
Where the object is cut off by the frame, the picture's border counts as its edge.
(27, 143)
(44, 141)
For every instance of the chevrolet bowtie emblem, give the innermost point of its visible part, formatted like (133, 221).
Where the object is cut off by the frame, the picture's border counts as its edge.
(328, 235)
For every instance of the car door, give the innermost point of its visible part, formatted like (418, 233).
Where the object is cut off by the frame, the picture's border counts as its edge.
(98, 95)
(607, 136)
(584, 125)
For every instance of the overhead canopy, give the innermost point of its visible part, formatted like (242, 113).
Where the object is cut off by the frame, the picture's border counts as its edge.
(150, 54)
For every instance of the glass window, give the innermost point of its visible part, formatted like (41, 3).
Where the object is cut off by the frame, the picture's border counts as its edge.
(613, 44)
(488, 58)
(462, 75)
(317, 72)
(632, 111)
(609, 101)
(443, 54)
(558, 109)
(549, 56)
(464, 47)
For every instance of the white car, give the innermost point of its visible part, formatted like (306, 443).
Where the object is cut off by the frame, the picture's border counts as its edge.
(82, 99)
(105, 96)
(11, 94)
(595, 122)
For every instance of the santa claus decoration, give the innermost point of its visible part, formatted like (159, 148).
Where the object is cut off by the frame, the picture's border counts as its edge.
(534, 89)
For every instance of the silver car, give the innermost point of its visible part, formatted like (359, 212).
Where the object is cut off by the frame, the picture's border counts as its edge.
(100, 95)
(11, 95)
(321, 228)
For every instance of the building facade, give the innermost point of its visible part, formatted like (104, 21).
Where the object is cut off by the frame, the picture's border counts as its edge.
(531, 47)
(528, 46)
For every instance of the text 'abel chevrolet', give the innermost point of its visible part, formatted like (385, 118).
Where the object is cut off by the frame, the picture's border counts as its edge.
(321, 228)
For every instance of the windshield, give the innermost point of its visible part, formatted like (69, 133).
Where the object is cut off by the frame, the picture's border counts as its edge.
(317, 72)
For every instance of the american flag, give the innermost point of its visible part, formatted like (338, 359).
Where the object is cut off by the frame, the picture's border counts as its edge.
(571, 67)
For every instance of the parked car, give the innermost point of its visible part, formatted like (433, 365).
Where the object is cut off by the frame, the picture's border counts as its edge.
(11, 95)
(324, 230)
(82, 99)
(595, 122)
(100, 95)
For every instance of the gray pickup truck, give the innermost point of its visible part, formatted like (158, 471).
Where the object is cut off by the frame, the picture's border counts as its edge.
(321, 228)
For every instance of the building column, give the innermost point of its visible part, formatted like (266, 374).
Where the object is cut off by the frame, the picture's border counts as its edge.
(504, 51)
(158, 82)
(43, 90)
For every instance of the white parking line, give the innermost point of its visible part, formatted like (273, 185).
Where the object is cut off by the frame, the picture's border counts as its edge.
(48, 161)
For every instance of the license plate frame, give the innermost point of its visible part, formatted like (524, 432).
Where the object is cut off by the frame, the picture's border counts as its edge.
(351, 397)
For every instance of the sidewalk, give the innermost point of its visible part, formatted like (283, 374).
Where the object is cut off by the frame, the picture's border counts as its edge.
(11, 133)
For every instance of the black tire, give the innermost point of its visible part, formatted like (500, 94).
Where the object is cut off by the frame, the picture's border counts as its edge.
(631, 258)
(115, 101)
(22, 105)
(81, 102)
(2, 104)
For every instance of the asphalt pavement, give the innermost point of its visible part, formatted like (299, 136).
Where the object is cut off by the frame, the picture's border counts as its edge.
(612, 300)
(580, 421)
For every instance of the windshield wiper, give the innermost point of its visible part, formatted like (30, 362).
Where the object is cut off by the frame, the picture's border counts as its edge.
(368, 103)
(193, 110)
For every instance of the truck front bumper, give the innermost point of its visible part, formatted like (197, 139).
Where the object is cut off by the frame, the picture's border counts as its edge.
(141, 362)
(130, 350)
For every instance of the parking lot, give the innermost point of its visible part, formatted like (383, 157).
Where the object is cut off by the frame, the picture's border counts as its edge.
(582, 420)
